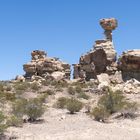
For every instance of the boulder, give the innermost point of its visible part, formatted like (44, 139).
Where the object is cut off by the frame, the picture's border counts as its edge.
(129, 64)
(58, 75)
(46, 67)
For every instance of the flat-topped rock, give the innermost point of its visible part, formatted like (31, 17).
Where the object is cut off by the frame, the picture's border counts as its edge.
(129, 64)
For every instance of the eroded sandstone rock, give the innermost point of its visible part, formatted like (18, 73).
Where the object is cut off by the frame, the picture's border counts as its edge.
(44, 66)
(129, 64)
(100, 59)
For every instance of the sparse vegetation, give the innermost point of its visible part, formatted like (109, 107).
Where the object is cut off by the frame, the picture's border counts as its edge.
(34, 109)
(110, 103)
(83, 95)
(34, 86)
(50, 92)
(62, 102)
(71, 90)
(19, 107)
(100, 113)
(74, 105)
(14, 121)
(3, 126)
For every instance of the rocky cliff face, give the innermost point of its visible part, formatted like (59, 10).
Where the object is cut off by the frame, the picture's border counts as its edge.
(46, 67)
(102, 58)
(129, 64)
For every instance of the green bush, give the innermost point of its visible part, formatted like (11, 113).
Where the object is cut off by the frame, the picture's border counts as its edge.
(1, 87)
(112, 101)
(19, 107)
(34, 86)
(74, 105)
(83, 95)
(71, 90)
(78, 89)
(22, 86)
(3, 126)
(34, 109)
(61, 102)
(100, 113)
(14, 121)
(129, 110)
(43, 97)
(50, 92)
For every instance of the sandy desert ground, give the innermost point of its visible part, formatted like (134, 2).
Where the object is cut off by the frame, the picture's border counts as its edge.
(59, 125)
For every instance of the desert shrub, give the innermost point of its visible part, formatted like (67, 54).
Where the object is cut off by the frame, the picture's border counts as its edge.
(60, 83)
(10, 96)
(129, 110)
(100, 113)
(71, 90)
(14, 121)
(61, 102)
(34, 86)
(112, 101)
(43, 97)
(83, 95)
(22, 86)
(3, 126)
(78, 89)
(50, 92)
(34, 109)
(82, 85)
(1, 87)
(73, 105)
(6, 96)
(19, 107)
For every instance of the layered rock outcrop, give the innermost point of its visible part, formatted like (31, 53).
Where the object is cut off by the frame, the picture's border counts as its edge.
(100, 59)
(129, 64)
(46, 67)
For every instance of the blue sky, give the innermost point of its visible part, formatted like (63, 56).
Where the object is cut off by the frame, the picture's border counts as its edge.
(63, 28)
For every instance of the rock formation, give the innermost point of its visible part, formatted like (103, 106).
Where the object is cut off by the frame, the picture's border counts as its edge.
(46, 67)
(129, 64)
(102, 58)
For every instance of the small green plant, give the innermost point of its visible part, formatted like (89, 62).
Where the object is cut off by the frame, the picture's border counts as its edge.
(1, 87)
(100, 114)
(14, 121)
(129, 110)
(112, 101)
(73, 105)
(19, 107)
(71, 90)
(22, 86)
(61, 102)
(83, 95)
(78, 89)
(50, 92)
(3, 126)
(34, 86)
(43, 97)
(34, 109)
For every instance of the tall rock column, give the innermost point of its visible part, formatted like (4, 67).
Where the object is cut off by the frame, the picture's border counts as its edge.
(100, 59)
